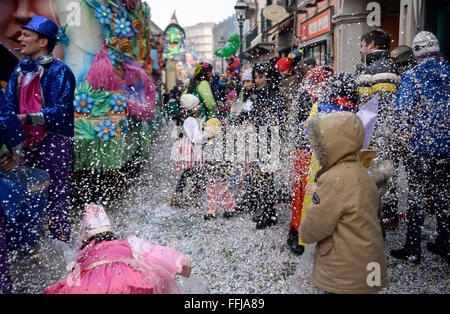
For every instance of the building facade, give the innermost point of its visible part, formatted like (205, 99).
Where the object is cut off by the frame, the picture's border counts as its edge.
(200, 39)
(331, 30)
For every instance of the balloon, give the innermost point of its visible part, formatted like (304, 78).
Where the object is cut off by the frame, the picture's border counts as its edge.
(230, 47)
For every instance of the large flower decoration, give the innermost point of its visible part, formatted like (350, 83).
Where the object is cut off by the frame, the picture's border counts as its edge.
(83, 103)
(118, 102)
(105, 129)
(122, 26)
(103, 14)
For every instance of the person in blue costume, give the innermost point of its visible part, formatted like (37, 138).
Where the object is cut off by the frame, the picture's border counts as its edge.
(11, 144)
(423, 108)
(41, 91)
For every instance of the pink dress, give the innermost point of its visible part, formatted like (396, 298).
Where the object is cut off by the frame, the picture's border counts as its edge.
(219, 195)
(131, 266)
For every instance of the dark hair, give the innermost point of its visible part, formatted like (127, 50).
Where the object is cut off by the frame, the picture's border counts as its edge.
(268, 69)
(402, 49)
(51, 43)
(310, 61)
(381, 39)
(99, 237)
(342, 85)
(201, 74)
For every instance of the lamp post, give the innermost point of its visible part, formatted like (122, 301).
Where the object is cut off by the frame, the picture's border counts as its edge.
(221, 43)
(241, 10)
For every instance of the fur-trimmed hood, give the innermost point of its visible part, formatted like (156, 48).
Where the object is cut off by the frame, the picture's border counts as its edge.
(334, 138)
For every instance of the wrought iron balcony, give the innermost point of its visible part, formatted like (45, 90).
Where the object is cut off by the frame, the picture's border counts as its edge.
(250, 36)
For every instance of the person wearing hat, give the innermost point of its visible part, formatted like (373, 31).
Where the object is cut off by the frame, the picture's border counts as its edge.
(107, 264)
(423, 102)
(243, 103)
(266, 115)
(191, 141)
(217, 174)
(200, 87)
(342, 217)
(41, 92)
(292, 74)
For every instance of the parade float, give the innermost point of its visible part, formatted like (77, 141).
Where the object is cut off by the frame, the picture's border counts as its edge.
(117, 98)
(174, 52)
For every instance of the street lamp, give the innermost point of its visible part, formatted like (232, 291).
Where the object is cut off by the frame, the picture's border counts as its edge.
(241, 10)
(222, 43)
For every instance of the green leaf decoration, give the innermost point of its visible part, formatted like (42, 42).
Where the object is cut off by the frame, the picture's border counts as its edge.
(101, 103)
(92, 3)
(84, 87)
(135, 46)
(107, 32)
(85, 128)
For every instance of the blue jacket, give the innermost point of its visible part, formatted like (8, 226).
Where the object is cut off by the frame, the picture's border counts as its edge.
(11, 131)
(57, 87)
(423, 102)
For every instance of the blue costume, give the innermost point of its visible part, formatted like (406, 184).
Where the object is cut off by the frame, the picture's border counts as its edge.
(54, 152)
(11, 134)
(423, 103)
(57, 88)
(11, 131)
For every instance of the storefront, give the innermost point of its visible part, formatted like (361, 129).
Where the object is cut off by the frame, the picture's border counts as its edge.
(436, 16)
(432, 16)
(316, 39)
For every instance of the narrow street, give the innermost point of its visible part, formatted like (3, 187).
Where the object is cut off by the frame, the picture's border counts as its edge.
(229, 256)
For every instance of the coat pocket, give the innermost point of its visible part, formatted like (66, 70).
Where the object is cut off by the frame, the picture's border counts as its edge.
(325, 246)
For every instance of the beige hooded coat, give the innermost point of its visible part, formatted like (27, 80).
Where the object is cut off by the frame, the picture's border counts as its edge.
(342, 219)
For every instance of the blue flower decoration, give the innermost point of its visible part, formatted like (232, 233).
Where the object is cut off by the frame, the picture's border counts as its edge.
(112, 56)
(118, 102)
(83, 103)
(106, 129)
(122, 27)
(103, 14)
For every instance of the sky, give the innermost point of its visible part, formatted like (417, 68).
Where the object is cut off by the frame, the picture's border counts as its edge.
(190, 12)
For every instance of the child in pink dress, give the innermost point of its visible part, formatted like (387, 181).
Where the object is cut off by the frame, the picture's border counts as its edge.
(107, 265)
(218, 191)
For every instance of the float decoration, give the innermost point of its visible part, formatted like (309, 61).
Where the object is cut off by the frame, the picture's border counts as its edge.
(230, 48)
(174, 36)
(115, 104)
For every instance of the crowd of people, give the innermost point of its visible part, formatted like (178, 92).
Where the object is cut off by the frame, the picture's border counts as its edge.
(314, 110)
(37, 129)
(314, 114)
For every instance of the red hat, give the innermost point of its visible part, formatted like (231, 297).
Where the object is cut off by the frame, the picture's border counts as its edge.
(284, 64)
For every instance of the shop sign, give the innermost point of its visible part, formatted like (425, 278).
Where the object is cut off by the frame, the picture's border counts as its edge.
(317, 26)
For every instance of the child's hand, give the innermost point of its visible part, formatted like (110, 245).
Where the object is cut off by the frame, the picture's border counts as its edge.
(310, 188)
(186, 271)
